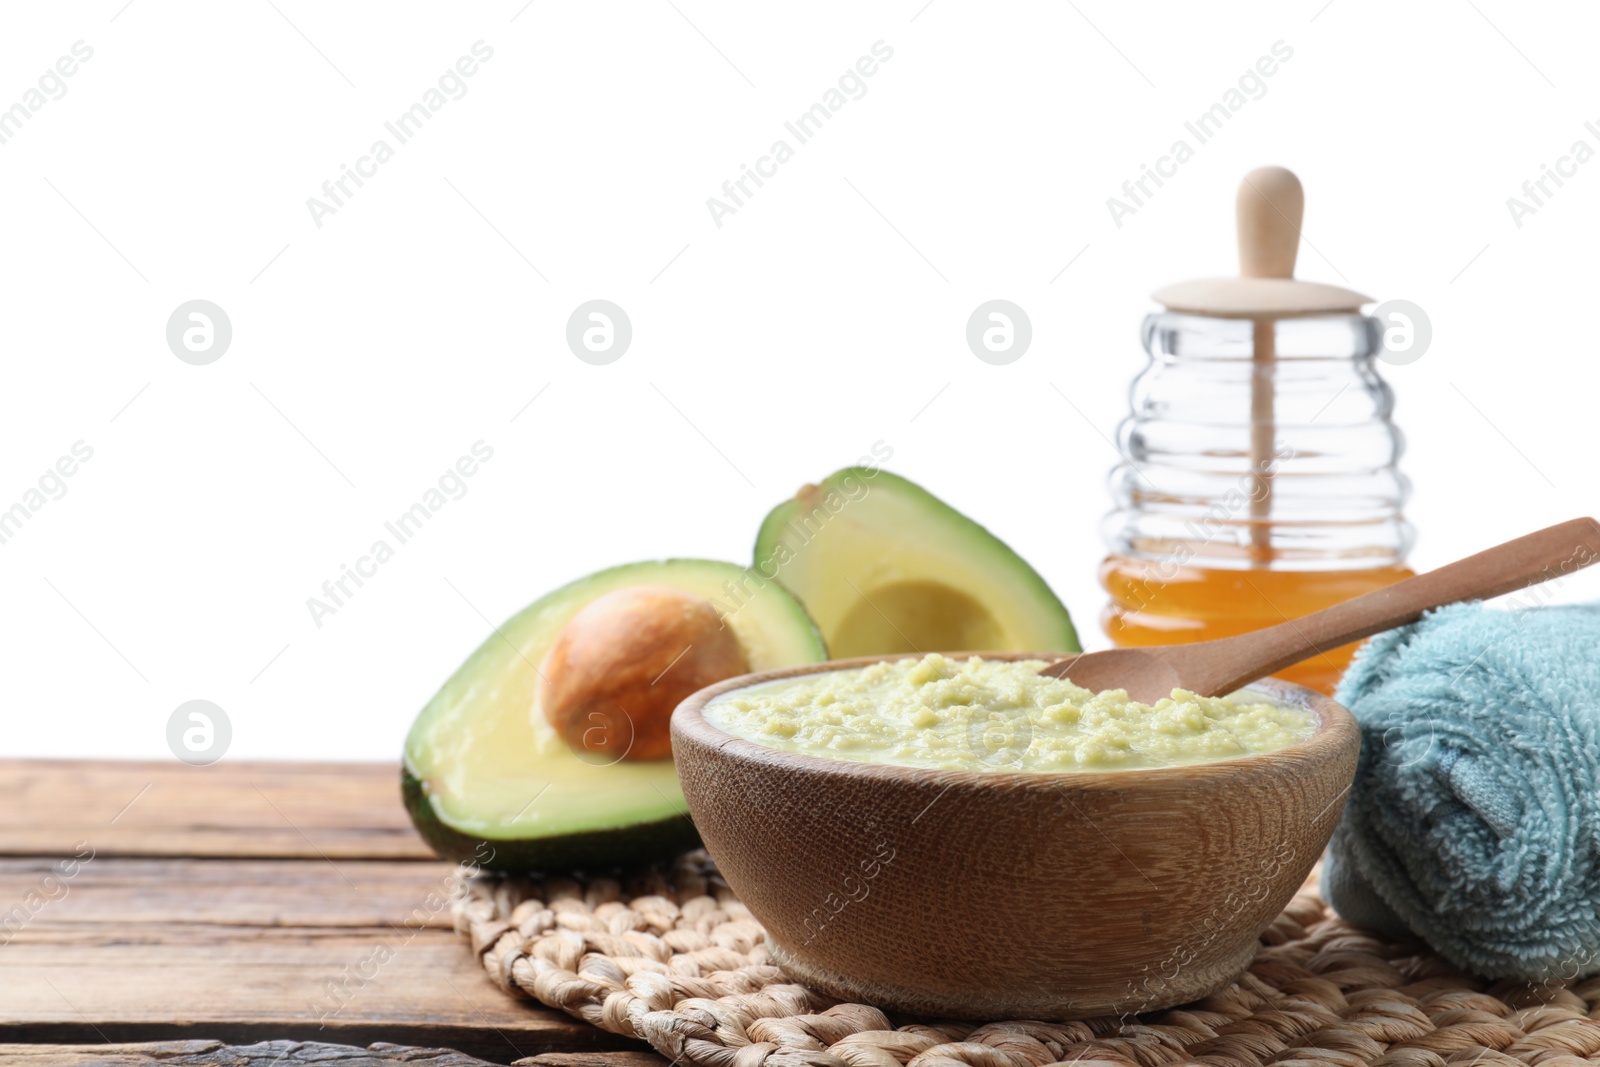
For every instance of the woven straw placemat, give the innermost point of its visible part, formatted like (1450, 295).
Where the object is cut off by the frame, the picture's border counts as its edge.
(671, 956)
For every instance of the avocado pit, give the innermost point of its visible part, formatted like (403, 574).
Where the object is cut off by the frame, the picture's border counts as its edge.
(623, 662)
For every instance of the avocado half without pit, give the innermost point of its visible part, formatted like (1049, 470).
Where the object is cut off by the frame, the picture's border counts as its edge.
(548, 750)
(884, 566)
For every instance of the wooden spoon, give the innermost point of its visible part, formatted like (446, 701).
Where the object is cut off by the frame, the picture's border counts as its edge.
(1213, 668)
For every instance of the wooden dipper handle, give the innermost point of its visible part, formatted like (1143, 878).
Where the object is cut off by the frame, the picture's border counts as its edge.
(1270, 208)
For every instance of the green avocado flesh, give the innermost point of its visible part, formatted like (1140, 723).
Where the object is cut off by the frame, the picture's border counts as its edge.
(487, 779)
(884, 567)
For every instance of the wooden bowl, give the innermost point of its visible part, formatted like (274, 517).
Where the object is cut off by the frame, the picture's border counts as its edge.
(1000, 895)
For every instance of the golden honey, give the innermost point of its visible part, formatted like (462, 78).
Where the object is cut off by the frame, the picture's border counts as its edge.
(1158, 603)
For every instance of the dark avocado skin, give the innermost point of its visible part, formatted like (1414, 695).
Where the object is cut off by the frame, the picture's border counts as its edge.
(622, 846)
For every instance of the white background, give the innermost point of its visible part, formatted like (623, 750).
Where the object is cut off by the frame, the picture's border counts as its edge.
(374, 351)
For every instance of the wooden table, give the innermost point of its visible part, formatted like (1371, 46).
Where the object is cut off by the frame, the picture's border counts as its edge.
(230, 912)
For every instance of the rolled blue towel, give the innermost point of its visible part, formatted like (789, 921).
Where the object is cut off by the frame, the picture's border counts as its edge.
(1474, 821)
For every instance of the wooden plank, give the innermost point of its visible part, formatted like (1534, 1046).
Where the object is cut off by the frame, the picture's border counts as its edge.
(241, 985)
(289, 1054)
(167, 808)
(351, 951)
(216, 1054)
(249, 892)
(242, 903)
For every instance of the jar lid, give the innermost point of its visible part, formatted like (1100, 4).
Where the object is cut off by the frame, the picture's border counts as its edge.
(1271, 205)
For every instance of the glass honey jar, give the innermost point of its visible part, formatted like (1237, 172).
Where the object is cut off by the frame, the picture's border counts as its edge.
(1260, 477)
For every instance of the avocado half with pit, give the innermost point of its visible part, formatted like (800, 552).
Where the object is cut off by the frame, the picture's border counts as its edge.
(489, 781)
(884, 566)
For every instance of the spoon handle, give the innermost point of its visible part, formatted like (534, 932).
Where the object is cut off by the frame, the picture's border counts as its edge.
(1223, 665)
